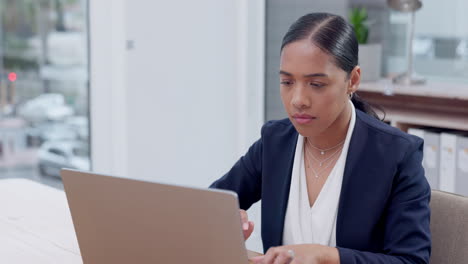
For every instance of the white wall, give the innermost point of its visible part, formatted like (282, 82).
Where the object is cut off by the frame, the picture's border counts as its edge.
(108, 106)
(186, 100)
(182, 79)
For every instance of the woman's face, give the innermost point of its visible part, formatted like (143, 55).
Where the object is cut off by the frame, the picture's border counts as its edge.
(315, 92)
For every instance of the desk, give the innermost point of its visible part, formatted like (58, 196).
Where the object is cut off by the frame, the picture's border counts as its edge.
(36, 226)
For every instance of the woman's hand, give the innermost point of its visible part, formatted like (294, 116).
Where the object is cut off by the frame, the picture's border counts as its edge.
(247, 226)
(299, 254)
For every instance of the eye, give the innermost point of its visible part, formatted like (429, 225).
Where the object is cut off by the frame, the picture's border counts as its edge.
(286, 82)
(317, 84)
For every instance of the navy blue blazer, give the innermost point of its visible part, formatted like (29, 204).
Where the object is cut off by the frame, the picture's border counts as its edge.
(383, 211)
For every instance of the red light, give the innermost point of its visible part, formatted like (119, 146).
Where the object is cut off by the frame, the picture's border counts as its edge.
(12, 76)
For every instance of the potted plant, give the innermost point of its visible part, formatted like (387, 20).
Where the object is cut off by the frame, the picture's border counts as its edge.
(370, 54)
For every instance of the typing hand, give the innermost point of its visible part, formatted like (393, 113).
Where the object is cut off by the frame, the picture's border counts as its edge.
(298, 254)
(247, 226)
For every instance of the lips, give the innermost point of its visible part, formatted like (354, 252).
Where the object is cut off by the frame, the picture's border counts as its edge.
(303, 118)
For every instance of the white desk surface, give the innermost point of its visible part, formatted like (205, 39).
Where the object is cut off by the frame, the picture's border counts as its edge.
(36, 226)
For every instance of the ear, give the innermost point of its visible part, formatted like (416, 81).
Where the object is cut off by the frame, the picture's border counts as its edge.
(354, 80)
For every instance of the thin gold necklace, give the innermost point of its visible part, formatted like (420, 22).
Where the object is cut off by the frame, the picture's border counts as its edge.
(317, 173)
(321, 162)
(323, 151)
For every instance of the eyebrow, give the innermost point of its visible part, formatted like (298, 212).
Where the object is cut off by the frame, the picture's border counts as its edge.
(307, 75)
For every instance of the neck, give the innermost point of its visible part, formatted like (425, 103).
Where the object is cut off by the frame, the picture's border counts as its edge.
(335, 133)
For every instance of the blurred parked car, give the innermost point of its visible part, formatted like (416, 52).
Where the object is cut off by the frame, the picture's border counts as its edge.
(80, 125)
(45, 107)
(53, 156)
(57, 132)
(50, 131)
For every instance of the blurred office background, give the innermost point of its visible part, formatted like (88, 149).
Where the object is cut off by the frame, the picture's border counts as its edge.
(176, 91)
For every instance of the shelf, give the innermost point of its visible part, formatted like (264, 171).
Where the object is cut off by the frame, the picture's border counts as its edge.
(404, 119)
(434, 105)
(430, 89)
(441, 105)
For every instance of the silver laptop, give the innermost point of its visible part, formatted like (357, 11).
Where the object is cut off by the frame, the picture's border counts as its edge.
(120, 220)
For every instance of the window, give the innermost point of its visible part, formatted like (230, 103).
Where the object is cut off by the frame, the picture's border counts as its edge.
(43, 85)
(441, 41)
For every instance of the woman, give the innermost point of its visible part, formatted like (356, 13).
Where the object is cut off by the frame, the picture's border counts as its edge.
(337, 184)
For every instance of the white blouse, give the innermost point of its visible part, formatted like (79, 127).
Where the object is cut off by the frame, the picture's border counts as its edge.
(317, 224)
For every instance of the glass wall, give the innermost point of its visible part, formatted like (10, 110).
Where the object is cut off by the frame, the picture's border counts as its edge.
(440, 46)
(44, 106)
(441, 41)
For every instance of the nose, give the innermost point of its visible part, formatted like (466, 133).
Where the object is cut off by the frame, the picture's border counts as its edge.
(300, 99)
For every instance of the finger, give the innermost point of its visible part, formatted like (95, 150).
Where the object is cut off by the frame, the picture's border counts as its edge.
(257, 259)
(283, 257)
(244, 220)
(244, 215)
(249, 230)
(271, 255)
(251, 227)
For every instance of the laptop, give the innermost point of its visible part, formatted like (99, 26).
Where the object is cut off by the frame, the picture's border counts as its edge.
(119, 220)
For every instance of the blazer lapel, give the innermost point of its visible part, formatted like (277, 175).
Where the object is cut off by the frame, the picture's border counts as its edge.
(276, 188)
(355, 173)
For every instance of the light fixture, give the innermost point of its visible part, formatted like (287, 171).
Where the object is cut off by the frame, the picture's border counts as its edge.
(408, 6)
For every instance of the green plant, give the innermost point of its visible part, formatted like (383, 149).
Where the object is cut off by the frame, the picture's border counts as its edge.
(358, 18)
